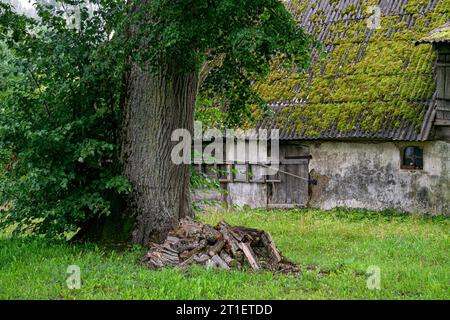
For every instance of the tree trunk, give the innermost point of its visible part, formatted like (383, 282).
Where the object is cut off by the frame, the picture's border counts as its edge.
(156, 105)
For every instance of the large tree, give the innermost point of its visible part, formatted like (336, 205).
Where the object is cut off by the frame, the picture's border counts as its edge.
(162, 47)
(173, 40)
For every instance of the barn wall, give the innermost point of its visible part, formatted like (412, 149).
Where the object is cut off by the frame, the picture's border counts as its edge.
(362, 175)
(253, 195)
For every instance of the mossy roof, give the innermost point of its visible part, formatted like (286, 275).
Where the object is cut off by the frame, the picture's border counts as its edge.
(441, 34)
(363, 82)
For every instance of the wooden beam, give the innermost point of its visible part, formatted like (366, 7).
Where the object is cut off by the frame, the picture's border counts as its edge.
(249, 254)
(285, 206)
(442, 123)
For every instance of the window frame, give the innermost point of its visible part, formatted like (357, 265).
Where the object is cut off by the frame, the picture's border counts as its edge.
(415, 167)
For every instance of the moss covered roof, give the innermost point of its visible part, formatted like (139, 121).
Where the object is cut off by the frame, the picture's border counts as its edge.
(363, 82)
(441, 34)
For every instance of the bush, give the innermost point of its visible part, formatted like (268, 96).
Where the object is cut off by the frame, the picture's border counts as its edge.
(59, 114)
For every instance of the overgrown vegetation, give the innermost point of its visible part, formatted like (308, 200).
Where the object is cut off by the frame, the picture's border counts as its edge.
(60, 111)
(334, 249)
(64, 86)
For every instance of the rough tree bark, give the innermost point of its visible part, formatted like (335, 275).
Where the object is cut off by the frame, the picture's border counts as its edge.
(156, 105)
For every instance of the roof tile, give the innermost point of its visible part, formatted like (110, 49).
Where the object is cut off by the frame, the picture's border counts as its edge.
(362, 83)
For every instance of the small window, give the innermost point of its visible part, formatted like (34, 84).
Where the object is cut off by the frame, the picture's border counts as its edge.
(412, 158)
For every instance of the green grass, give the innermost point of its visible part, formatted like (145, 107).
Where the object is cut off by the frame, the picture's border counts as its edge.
(412, 253)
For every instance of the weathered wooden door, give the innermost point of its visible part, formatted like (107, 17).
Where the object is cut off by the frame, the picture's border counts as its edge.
(289, 187)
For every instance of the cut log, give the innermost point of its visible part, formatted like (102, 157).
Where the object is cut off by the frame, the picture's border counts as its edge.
(186, 245)
(250, 255)
(244, 231)
(211, 235)
(218, 262)
(216, 248)
(228, 237)
(228, 260)
(189, 261)
(160, 256)
(200, 246)
(172, 240)
(270, 246)
(202, 259)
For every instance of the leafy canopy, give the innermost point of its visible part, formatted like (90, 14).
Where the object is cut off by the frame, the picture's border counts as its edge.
(62, 90)
(234, 40)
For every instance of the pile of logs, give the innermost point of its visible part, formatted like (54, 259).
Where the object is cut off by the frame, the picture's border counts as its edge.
(224, 247)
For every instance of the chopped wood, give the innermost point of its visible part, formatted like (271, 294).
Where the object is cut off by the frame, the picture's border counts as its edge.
(187, 262)
(215, 249)
(250, 255)
(218, 262)
(172, 239)
(187, 245)
(229, 238)
(223, 246)
(159, 257)
(200, 246)
(202, 259)
(270, 245)
(211, 234)
(228, 260)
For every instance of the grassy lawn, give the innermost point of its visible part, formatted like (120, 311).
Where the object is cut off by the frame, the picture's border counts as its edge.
(412, 253)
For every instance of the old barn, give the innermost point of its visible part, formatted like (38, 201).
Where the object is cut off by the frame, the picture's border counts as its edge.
(368, 125)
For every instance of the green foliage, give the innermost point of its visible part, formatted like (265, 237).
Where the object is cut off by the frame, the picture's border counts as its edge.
(59, 118)
(61, 107)
(334, 249)
(238, 40)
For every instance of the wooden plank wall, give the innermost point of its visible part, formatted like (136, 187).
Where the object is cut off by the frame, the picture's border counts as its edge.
(442, 121)
(292, 188)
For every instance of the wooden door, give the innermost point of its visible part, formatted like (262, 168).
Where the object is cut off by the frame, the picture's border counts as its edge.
(290, 189)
